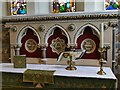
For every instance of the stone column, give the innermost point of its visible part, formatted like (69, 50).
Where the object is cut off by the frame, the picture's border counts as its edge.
(114, 26)
(17, 49)
(43, 48)
(114, 62)
(72, 46)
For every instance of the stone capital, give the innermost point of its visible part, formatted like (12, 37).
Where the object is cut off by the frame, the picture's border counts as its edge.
(15, 46)
(43, 45)
(7, 26)
(72, 45)
(114, 25)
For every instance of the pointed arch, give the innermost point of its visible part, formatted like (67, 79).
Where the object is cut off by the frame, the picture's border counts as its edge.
(23, 31)
(82, 28)
(51, 31)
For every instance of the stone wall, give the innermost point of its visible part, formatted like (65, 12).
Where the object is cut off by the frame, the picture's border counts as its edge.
(5, 45)
(118, 68)
(0, 42)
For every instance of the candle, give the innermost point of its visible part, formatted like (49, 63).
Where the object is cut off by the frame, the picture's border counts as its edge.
(102, 36)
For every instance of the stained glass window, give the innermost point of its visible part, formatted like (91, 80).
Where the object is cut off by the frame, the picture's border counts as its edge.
(18, 7)
(59, 6)
(112, 4)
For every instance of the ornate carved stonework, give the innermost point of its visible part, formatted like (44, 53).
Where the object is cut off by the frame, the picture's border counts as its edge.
(42, 28)
(14, 28)
(72, 46)
(88, 45)
(31, 45)
(16, 46)
(71, 27)
(58, 45)
(73, 16)
(7, 27)
(110, 24)
(43, 45)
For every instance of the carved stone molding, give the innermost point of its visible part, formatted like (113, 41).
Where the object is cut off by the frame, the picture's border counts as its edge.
(73, 16)
(114, 25)
(7, 26)
(110, 24)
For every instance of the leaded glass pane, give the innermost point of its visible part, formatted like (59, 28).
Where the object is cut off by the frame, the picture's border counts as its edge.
(18, 7)
(59, 6)
(112, 4)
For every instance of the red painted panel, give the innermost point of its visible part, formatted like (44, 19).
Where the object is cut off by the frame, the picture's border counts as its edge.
(57, 33)
(88, 34)
(23, 51)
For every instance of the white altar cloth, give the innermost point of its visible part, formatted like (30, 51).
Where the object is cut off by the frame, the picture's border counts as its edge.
(82, 71)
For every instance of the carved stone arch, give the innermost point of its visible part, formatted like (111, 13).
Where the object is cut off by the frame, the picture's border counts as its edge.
(51, 31)
(23, 31)
(80, 31)
(88, 38)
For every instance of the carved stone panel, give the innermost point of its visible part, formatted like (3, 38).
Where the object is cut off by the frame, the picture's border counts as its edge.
(88, 45)
(31, 45)
(58, 45)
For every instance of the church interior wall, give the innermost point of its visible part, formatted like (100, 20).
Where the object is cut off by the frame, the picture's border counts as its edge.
(11, 30)
(49, 24)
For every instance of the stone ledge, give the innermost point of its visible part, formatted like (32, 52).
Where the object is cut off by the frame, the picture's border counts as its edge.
(63, 16)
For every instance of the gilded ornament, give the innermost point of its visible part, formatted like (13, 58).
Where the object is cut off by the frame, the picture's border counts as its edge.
(88, 45)
(58, 45)
(31, 45)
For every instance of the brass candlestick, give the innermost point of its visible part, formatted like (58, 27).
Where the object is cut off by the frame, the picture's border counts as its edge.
(71, 64)
(101, 61)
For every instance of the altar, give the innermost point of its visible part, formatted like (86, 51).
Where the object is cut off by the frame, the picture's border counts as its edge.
(83, 77)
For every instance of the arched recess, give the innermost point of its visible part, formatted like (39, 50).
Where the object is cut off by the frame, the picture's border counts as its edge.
(51, 31)
(23, 31)
(56, 37)
(88, 38)
(29, 39)
(81, 30)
